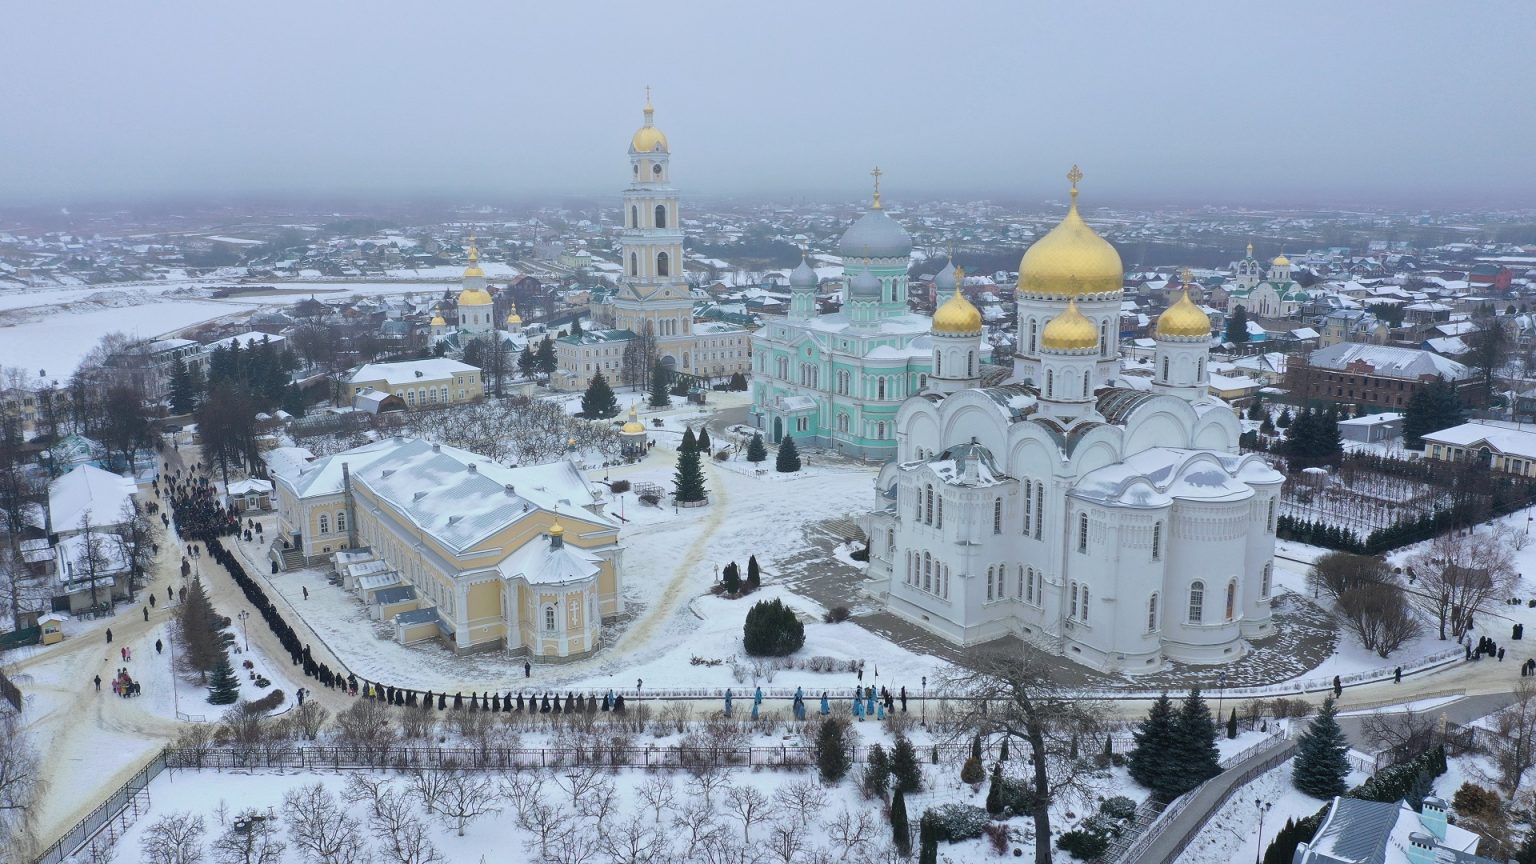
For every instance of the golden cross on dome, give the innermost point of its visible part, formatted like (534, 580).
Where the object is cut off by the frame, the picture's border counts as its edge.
(876, 174)
(1186, 276)
(647, 96)
(1074, 175)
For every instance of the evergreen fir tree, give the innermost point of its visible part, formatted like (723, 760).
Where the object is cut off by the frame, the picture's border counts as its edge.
(877, 773)
(976, 747)
(1267, 427)
(756, 452)
(1232, 725)
(1237, 326)
(183, 394)
(1108, 756)
(1256, 410)
(1285, 419)
(223, 686)
(901, 833)
(1150, 756)
(660, 398)
(905, 773)
(754, 574)
(576, 327)
(730, 577)
(1196, 758)
(1321, 765)
(688, 482)
(1002, 751)
(738, 382)
(689, 442)
(1527, 853)
(527, 364)
(789, 458)
(832, 758)
(547, 361)
(995, 791)
(598, 403)
(704, 445)
(928, 839)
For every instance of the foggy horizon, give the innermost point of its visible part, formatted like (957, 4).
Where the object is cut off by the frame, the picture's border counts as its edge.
(1413, 105)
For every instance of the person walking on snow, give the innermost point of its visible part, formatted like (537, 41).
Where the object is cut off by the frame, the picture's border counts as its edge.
(306, 592)
(158, 647)
(146, 614)
(98, 683)
(109, 635)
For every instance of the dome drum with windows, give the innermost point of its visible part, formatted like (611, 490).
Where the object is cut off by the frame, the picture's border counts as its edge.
(1072, 260)
(1070, 331)
(648, 139)
(957, 316)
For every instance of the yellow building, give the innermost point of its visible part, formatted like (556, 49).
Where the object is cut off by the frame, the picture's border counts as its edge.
(421, 383)
(521, 559)
(1508, 449)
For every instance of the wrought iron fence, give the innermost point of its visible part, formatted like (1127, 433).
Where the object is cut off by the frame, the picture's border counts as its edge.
(111, 817)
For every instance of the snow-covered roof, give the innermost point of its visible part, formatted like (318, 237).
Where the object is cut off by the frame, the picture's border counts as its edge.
(88, 489)
(245, 487)
(112, 558)
(1372, 419)
(323, 476)
(1157, 476)
(1389, 361)
(460, 497)
(1499, 439)
(539, 562)
(410, 371)
(287, 461)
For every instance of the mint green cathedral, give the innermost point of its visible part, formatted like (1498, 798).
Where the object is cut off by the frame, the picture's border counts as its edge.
(835, 381)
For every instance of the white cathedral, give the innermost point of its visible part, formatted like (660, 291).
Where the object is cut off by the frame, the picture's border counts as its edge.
(1117, 526)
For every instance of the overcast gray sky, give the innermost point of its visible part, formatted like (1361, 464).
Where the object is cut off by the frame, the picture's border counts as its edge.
(1276, 102)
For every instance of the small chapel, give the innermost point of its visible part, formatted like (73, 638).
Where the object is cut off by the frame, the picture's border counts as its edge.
(1117, 526)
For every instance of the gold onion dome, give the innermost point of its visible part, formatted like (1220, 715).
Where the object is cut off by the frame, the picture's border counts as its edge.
(513, 317)
(648, 139)
(556, 529)
(473, 270)
(957, 315)
(633, 427)
(1070, 331)
(1183, 318)
(1281, 261)
(1072, 260)
(437, 320)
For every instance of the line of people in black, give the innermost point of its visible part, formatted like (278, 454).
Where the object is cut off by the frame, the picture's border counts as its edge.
(195, 501)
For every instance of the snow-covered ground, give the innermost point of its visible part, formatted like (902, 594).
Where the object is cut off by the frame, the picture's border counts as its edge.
(1232, 834)
(58, 338)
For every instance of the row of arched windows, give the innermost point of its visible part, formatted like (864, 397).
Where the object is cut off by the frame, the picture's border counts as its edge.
(341, 522)
(1104, 337)
(925, 508)
(660, 216)
(927, 574)
(663, 264)
(1197, 600)
(1034, 508)
(1079, 603)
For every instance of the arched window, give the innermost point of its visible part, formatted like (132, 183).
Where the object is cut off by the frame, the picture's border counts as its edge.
(927, 572)
(1050, 383)
(928, 516)
(1029, 586)
(1269, 521)
(549, 618)
(1085, 605)
(890, 539)
(1073, 613)
(1028, 508)
(1200, 369)
(945, 591)
(1264, 583)
(1231, 599)
(938, 517)
(341, 521)
(1039, 508)
(1082, 532)
(661, 215)
(842, 422)
(1034, 328)
(325, 524)
(989, 584)
(1157, 542)
(1087, 383)
(880, 431)
(997, 516)
(1165, 368)
(1104, 338)
(1196, 602)
(634, 216)
(634, 264)
(970, 364)
(880, 389)
(1021, 582)
(1152, 614)
(662, 264)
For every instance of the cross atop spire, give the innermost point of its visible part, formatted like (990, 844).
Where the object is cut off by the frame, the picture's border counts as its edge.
(1073, 176)
(876, 174)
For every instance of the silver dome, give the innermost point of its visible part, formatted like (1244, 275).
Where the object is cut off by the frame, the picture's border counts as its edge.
(875, 235)
(803, 276)
(944, 280)
(865, 286)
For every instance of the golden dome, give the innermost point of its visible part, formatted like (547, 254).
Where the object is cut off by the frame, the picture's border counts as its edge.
(1183, 318)
(634, 426)
(437, 320)
(556, 529)
(648, 139)
(474, 297)
(1070, 331)
(513, 317)
(1281, 261)
(957, 315)
(473, 270)
(1072, 260)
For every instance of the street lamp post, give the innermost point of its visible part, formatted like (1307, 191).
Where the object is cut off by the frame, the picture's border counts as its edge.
(244, 614)
(1263, 807)
(925, 701)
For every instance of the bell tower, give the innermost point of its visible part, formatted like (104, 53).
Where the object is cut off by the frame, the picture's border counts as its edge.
(653, 289)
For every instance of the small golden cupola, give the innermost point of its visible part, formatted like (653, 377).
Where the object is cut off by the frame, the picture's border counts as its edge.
(633, 427)
(437, 317)
(957, 316)
(1183, 320)
(514, 319)
(1072, 260)
(648, 139)
(1070, 331)
(474, 293)
(1281, 261)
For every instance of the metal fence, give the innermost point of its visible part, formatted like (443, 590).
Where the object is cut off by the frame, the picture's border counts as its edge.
(309, 758)
(110, 818)
(10, 691)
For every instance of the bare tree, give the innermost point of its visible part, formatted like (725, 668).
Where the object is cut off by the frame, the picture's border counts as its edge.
(722, 848)
(852, 832)
(1403, 734)
(1017, 696)
(311, 717)
(805, 799)
(464, 797)
(786, 840)
(1513, 746)
(175, 838)
(637, 840)
(402, 837)
(366, 724)
(576, 845)
(1459, 575)
(695, 826)
(749, 807)
(658, 793)
(1379, 615)
(547, 822)
(137, 537)
(321, 829)
(250, 839)
(1335, 573)
(93, 558)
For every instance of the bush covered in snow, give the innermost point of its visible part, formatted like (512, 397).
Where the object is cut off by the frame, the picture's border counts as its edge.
(956, 822)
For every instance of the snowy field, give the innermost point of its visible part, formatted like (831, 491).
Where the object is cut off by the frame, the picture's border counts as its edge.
(1232, 834)
(58, 340)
